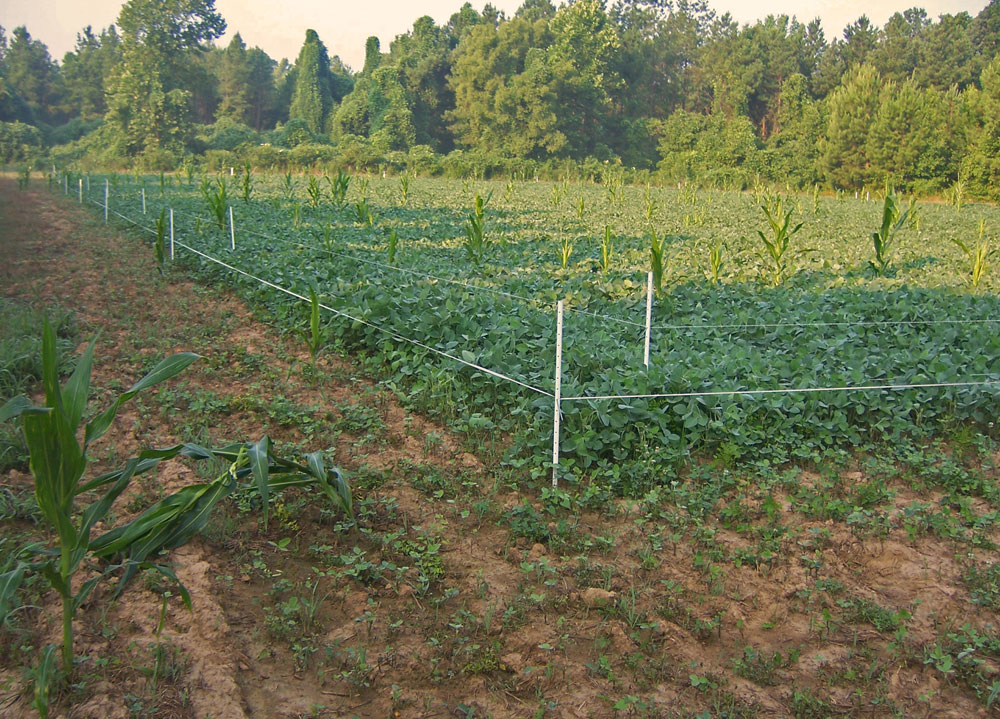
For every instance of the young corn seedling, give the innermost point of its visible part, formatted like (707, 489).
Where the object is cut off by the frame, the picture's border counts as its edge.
(607, 249)
(314, 337)
(565, 250)
(958, 193)
(404, 189)
(816, 199)
(656, 249)
(363, 213)
(312, 189)
(338, 188)
(393, 244)
(217, 200)
(58, 461)
(288, 185)
(715, 261)
(892, 222)
(475, 230)
(246, 184)
(24, 177)
(580, 208)
(775, 250)
(978, 254)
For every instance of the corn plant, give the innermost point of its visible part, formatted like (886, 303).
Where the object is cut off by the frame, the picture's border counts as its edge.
(816, 199)
(775, 250)
(393, 244)
(607, 249)
(565, 250)
(656, 248)
(715, 260)
(246, 184)
(913, 211)
(314, 337)
(363, 213)
(338, 188)
(978, 254)
(288, 185)
(580, 208)
(217, 200)
(475, 230)
(315, 195)
(404, 189)
(892, 222)
(159, 250)
(189, 173)
(58, 462)
(296, 214)
(24, 177)
(508, 191)
(958, 193)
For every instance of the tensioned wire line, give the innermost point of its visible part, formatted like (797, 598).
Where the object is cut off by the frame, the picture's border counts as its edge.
(745, 326)
(530, 300)
(664, 395)
(391, 333)
(784, 390)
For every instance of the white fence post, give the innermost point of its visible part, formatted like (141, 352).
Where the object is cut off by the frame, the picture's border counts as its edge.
(232, 229)
(105, 201)
(649, 317)
(81, 190)
(143, 200)
(558, 394)
(171, 234)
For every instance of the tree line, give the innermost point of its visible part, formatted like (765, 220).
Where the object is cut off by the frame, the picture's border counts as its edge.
(670, 88)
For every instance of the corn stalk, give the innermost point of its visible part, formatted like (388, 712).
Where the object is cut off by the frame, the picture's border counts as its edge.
(607, 249)
(58, 462)
(883, 238)
(775, 250)
(217, 200)
(475, 229)
(978, 254)
(338, 188)
(656, 248)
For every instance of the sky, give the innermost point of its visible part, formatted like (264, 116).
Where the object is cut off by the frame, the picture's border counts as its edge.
(278, 27)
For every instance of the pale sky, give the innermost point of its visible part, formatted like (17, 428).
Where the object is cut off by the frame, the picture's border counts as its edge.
(279, 27)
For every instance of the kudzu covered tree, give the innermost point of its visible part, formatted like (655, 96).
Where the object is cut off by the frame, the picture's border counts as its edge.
(148, 105)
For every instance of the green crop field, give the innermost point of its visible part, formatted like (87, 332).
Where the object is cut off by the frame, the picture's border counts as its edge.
(417, 270)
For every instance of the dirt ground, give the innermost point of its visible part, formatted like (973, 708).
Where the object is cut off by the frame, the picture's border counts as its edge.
(462, 591)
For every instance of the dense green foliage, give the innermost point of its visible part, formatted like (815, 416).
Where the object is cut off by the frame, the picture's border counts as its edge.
(830, 322)
(673, 89)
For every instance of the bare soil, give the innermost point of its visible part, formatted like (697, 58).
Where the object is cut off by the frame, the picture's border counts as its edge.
(460, 592)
